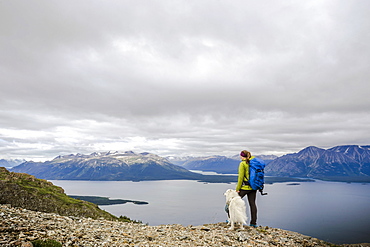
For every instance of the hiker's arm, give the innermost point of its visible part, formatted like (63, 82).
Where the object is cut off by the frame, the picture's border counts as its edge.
(240, 176)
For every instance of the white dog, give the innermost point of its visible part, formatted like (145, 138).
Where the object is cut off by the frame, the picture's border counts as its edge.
(237, 208)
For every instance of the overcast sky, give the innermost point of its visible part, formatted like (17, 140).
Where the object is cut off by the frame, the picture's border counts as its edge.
(204, 77)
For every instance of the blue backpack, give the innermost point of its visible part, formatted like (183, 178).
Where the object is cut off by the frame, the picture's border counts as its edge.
(256, 175)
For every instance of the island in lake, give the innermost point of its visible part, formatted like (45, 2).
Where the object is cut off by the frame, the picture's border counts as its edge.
(103, 201)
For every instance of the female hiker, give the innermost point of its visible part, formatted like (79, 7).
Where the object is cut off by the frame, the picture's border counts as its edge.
(244, 189)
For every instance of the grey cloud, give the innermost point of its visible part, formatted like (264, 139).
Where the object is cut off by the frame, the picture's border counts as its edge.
(179, 77)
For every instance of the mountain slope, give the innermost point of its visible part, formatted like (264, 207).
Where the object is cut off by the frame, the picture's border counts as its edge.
(218, 164)
(359, 153)
(108, 166)
(315, 162)
(11, 162)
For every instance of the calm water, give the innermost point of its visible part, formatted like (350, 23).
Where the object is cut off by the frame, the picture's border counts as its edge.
(331, 211)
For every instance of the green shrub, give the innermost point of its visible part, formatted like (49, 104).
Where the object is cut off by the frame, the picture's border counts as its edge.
(46, 243)
(127, 219)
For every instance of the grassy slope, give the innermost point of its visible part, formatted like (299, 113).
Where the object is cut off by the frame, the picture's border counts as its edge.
(26, 191)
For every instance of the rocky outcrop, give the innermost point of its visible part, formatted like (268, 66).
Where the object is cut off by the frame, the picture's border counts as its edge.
(19, 226)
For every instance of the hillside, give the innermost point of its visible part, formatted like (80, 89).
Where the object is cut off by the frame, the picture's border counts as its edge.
(343, 163)
(26, 191)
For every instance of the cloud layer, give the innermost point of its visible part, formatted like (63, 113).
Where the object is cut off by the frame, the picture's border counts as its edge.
(182, 78)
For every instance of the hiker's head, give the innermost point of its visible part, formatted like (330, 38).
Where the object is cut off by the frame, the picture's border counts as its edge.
(245, 155)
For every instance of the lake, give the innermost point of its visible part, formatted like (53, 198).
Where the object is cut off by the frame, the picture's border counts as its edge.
(331, 211)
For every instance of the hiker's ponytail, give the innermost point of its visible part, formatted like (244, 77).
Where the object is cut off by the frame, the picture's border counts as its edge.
(247, 155)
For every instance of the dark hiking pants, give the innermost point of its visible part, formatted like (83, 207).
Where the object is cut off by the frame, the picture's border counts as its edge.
(251, 194)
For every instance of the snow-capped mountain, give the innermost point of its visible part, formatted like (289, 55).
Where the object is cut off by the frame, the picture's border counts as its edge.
(106, 166)
(119, 166)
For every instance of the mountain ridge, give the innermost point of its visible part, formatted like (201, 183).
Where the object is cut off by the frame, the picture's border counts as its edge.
(313, 162)
(126, 166)
(346, 163)
(11, 162)
(219, 164)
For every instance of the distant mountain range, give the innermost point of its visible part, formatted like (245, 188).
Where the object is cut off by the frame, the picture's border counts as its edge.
(105, 166)
(127, 166)
(11, 162)
(337, 163)
(219, 164)
(341, 163)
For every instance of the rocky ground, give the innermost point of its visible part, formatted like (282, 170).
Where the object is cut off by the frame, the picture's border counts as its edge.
(18, 227)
